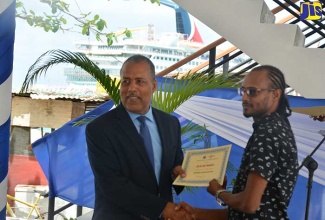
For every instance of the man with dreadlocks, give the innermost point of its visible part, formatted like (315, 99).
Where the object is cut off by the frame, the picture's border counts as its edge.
(269, 166)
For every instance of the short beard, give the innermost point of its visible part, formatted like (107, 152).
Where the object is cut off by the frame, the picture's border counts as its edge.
(247, 115)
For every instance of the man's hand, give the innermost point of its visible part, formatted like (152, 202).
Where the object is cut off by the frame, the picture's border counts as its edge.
(182, 211)
(213, 187)
(186, 207)
(224, 185)
(179, 171)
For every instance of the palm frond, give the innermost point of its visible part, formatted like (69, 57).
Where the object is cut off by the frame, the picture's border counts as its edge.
(84, 121)
(53, 57)
(191, 189)
(231, 168)
(172, 93)
(190, 128)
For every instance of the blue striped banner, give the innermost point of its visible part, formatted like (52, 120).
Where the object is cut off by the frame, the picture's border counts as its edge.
(7, 36)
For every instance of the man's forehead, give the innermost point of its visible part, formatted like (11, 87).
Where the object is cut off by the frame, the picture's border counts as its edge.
(130, 76)
(257, 74)
(257, 77)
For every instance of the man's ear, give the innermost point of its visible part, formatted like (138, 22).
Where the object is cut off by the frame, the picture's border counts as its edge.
(277, 94)
(154, 84)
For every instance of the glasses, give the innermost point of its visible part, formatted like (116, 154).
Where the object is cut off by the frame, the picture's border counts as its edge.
(251, 92)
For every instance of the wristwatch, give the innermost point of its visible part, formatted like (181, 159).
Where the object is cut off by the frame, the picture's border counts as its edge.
(219, 201)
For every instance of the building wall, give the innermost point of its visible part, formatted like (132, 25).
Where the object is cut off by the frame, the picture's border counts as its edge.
(49, 113)
(20, 140)
(24, 169)
(35, 113)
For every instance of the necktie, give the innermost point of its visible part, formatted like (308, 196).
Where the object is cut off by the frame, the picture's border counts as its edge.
(145, 134)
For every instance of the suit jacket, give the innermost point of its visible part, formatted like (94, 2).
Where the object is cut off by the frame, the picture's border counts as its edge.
(125, 184)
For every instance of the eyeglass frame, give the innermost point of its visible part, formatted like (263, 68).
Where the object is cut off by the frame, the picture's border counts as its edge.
(251, 91)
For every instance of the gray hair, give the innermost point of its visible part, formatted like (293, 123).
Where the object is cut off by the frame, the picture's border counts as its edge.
(140, 58)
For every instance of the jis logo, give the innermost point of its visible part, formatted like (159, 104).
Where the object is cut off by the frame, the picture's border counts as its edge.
(310, 11)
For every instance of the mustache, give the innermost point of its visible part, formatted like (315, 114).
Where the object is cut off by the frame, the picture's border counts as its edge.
(246, 103)
(132, 94)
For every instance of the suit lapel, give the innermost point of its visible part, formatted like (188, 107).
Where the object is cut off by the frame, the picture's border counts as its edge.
(127, 127)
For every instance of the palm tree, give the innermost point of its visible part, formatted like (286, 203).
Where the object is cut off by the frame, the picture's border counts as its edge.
(169, 96)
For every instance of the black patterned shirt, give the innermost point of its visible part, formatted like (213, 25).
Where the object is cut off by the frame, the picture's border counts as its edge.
(272, 153)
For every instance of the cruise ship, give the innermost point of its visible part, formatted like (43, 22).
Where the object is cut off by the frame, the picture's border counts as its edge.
(163, 49)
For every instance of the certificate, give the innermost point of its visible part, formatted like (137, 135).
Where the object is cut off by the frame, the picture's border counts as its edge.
(201, 166)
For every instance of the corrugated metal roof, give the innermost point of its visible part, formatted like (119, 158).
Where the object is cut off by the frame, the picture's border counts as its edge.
(77, 92)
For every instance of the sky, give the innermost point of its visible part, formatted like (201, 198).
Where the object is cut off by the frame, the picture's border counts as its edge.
(31, 42)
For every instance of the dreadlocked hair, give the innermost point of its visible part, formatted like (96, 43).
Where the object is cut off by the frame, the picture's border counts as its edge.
(277, 81)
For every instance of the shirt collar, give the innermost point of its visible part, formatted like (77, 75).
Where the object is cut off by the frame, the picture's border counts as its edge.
(134, 116)
(265, 119)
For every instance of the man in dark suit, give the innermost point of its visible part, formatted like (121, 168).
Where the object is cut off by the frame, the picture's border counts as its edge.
(131, 183)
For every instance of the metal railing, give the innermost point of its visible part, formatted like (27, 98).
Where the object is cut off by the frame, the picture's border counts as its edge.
(222, 59)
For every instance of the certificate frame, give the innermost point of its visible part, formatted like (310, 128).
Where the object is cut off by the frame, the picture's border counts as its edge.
(203, 165)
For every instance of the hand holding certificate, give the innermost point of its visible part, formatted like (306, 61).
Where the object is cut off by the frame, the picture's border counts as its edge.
(203, 165)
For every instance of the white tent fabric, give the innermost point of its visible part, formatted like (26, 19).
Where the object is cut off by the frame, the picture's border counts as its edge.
(224, 118)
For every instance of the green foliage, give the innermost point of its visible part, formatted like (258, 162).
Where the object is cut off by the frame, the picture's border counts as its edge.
(171, 95)
(167, 98)
(55, 20)
(53, 57)
(190, 128)
(52, 21)
(204, 135)
(128, 33)
(109, 38)
(84, 121)
(196, 133)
